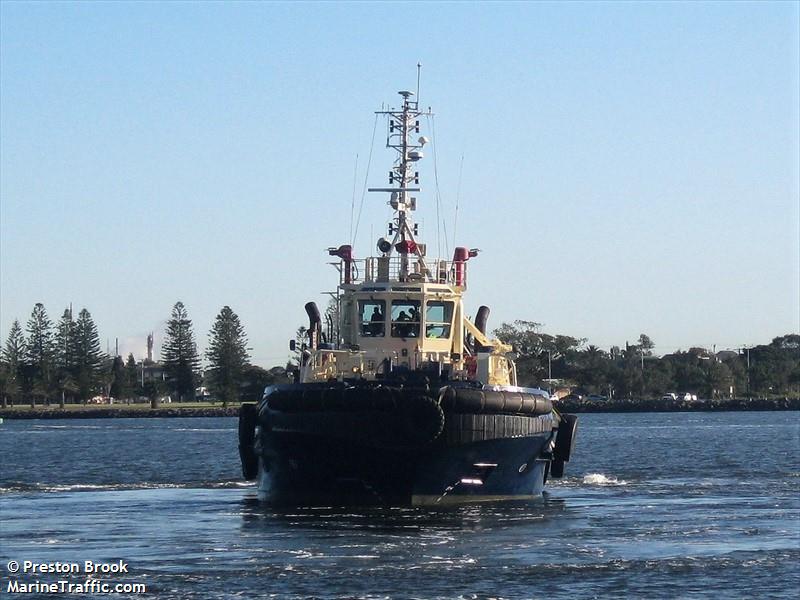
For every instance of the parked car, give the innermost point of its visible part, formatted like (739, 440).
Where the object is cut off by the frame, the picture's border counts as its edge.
(669, 396)
(687, 397)
(596, 397)
(101, 400)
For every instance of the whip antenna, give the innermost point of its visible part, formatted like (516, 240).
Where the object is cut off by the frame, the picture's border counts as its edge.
(366, 175)
(353, 200)
(419, 69)
(458, 196)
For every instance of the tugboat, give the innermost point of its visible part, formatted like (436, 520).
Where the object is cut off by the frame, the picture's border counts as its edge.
(403, 400)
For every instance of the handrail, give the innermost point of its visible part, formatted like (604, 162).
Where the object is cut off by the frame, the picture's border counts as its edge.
(384, 269)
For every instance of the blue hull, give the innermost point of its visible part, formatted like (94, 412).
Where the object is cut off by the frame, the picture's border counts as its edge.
(345, 445)
(311, 470)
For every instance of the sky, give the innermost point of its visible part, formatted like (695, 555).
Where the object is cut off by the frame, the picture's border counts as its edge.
(625, 168)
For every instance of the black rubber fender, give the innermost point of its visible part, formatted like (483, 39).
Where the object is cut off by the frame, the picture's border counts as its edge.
(381, 417)
(306, 399)
(476, 401)
(421, 420)
(565, 438)
(248, 416)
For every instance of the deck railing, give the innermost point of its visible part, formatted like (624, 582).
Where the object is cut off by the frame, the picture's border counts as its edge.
(379, 269)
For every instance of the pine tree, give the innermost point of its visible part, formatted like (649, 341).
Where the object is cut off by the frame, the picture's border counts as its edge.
(119, 380)
(179, 353)
(65, 341)
(131, 376)
(14, 350)
(13, 356)
(39, 353)
(65, 355)
(228, 356)
(9, 388)
(87, 355)
(300, 338)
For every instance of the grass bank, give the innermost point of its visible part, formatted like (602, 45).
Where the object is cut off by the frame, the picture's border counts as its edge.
(95, 411)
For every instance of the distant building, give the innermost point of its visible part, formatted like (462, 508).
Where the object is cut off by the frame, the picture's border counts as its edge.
(152, 371)
(149, 369)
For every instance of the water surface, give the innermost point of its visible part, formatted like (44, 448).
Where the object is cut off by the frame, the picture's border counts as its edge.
(659, 505)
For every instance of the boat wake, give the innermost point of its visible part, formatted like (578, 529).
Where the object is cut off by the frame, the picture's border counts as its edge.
(604, 480)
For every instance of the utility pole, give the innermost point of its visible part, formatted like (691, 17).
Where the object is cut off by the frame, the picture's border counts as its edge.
(748, 371)
(641, 357)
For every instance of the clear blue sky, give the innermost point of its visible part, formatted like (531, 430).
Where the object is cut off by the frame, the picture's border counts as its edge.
(628, 167)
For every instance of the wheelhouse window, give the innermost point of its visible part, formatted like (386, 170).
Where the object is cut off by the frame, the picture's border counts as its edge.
(405, 318)
(372, 316)
(438, 319)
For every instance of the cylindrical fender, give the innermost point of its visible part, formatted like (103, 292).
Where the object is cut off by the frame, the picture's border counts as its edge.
(474, 401)
(565, 438)
(248, 415)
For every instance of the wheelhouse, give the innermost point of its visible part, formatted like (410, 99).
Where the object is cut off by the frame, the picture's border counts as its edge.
(402, 310)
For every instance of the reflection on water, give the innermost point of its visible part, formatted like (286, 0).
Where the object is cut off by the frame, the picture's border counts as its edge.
(484, 517)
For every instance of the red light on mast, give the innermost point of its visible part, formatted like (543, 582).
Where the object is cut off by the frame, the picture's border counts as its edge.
(406, 247)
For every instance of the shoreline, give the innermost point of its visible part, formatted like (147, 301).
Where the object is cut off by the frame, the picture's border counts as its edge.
(658, 405)
(114, 412)
(567, 406)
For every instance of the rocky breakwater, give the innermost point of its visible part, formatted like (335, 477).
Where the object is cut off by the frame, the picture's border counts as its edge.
(667, 405)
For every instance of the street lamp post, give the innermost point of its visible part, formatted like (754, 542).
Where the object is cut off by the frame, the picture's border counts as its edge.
(748, 371)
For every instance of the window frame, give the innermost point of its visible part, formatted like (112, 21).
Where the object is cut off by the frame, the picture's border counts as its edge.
(410, 327)
(446, 326)
(365, 326)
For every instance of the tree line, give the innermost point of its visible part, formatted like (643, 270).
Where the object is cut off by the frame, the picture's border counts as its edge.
(634, 372)
(64, 362)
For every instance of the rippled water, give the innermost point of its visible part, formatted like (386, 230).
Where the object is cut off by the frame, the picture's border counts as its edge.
(659, 505)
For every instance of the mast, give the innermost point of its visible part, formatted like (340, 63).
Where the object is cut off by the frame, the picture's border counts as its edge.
(403, 123)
